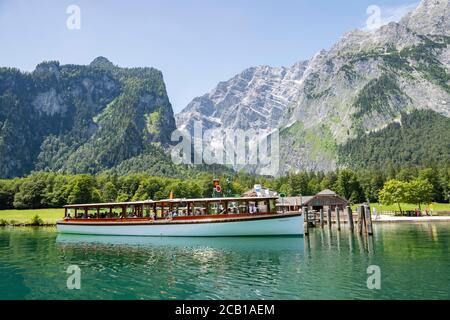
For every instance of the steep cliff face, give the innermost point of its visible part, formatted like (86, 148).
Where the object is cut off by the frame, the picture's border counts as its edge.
(430, 18)
(253, 99)
(80, 118)
(366, 81)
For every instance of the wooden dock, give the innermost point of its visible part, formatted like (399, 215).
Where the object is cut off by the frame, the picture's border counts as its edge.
(361, 219)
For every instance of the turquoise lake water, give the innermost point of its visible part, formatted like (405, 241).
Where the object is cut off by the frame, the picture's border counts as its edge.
(414, 261)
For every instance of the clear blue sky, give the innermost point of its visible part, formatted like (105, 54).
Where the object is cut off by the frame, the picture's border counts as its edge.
(195, 43)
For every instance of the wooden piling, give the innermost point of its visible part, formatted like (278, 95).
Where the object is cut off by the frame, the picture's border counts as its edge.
(368, 220)
(364, 222)
(329, 217)
(306, 214)
(360, 219)
(306, 220)
(350, 218)
(321, 218)
(338, 219)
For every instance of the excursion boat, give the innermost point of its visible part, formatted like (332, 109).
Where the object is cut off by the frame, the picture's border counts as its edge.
(206, 217)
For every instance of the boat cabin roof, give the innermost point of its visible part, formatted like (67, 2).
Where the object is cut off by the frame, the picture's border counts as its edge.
(108, 204)
(225, 199)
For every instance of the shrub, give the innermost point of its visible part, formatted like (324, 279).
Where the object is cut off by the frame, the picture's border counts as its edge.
(37, 221)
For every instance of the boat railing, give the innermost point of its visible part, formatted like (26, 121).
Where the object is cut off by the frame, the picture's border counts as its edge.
(171, 208)
(150, 217)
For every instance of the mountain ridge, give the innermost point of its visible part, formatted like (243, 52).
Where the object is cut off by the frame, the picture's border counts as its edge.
(364, 82)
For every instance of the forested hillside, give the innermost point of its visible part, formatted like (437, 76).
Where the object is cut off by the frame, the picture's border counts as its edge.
(419, 138)
(80, 119)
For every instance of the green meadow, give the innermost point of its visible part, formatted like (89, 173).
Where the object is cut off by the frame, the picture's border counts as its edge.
(48, 216)
(408, 206)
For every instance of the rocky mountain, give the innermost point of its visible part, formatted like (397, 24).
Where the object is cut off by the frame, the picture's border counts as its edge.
(261, 94)
(77, 118)
(430, 17)
(361, 85)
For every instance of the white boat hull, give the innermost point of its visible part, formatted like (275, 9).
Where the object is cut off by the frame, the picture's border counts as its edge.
(280, 225)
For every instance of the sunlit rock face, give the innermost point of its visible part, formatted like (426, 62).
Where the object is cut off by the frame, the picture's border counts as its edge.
(360, 85)
(430, 18)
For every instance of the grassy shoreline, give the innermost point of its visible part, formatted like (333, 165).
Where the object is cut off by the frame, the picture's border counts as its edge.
(408, 207)
(50, 216)
(25, 217)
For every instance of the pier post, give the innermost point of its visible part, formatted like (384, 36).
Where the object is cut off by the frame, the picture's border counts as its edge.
(321, 218)
(329, 217)
(368, 220)
(360, 219)
(350, 218)
(306, 220)
(338, 219)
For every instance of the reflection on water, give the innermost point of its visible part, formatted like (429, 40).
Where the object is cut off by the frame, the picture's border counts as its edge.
(217, 243)
(414, 261)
